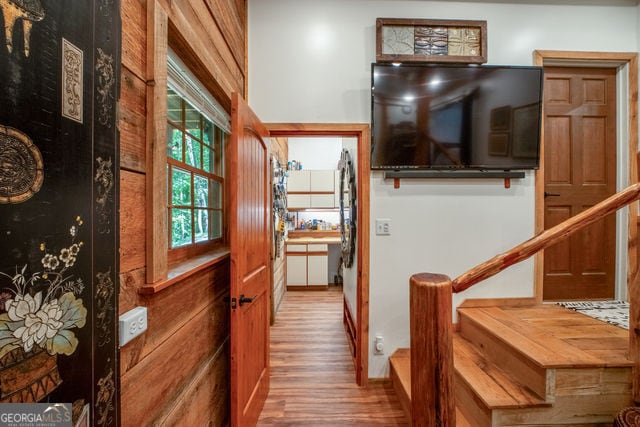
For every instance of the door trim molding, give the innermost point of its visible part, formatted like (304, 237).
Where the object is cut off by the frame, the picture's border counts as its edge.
(618, 60)
(361, 131)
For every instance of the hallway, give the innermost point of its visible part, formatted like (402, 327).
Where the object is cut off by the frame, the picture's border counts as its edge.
(312, 374)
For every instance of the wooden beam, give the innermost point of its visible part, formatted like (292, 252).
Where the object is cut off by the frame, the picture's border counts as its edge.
(156, 191)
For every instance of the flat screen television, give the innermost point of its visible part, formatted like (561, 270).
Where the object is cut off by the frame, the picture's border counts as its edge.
(455, 117)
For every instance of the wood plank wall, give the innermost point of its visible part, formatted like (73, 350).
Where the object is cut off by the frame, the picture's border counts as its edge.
(280, 149)
(178, 371)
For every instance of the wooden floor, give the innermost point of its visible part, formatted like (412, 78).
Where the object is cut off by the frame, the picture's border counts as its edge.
(312, 373)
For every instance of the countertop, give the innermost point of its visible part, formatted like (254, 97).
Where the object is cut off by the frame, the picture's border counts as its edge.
(313, 240)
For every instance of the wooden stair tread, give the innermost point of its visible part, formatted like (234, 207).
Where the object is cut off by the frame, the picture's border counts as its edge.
(495, 387)
(537, 343)
(400, 362)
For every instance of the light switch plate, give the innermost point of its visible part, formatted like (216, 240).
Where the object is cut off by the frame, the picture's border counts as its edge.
(383, 227)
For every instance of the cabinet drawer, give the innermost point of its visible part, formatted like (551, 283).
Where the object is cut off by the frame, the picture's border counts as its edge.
(317, 248)
(296, 248)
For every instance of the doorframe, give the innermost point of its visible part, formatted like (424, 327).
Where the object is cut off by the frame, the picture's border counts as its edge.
(626, 64)
(361, 131)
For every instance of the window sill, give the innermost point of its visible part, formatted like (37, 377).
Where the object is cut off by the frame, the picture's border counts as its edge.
(185, 269)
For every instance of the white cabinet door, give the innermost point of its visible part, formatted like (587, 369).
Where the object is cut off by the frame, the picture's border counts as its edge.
(299, 181)
(296, 270)
(322, 180)
(322, 200)
(318, 269)
(298, 201)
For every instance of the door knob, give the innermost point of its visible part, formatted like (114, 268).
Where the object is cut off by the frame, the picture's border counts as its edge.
(244, 299)
(551, 194)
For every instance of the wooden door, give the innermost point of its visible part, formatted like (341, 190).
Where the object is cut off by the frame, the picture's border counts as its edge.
(580, 171)
(249, 234)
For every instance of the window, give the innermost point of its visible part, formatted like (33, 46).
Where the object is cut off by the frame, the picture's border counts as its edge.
(195, 161)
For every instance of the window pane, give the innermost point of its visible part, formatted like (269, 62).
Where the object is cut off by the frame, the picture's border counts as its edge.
(192, 153)
(180, 227)
(174, 107)
(202, 225)
(216, 225)
(180, 187)
(218, 168)
(174, 143)
(216, 194)
(208, 130)
(201, 195)
(192, 124)
(207, 158)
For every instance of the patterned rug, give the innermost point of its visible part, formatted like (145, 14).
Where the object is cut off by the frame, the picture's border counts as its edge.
(614, 312)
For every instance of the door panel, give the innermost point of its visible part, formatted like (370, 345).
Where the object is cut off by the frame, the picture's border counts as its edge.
(580, 171)
(250, 263)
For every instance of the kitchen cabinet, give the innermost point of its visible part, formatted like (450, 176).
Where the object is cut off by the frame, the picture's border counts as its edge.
(307, 265)
(309, 189)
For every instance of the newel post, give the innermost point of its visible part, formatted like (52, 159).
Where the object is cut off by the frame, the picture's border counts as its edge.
(432, 392)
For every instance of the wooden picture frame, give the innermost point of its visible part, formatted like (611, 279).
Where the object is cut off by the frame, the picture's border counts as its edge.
(501, 118)
(431, 40)
(499, 143)
(525, 134)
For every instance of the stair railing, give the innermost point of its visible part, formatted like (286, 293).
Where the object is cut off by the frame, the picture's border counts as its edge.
(432, 375)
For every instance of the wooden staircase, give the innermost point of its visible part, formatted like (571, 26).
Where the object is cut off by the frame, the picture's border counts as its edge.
(540, 365)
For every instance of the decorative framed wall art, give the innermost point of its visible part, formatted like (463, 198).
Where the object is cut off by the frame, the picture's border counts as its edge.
(431, 40)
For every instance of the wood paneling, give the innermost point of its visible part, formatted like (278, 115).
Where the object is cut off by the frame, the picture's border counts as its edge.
(134, 36)
(132, 121)
(312, 375)
(204, 399)
(178, 371)
(159, 379)
(229, 16)
(132, 231)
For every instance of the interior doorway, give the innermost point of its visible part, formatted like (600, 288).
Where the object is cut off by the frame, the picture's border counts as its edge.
(565, 262)
(361, 134)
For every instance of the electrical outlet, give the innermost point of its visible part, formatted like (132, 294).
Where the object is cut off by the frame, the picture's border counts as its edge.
(383, 227)
(132, 323)
(378, 347)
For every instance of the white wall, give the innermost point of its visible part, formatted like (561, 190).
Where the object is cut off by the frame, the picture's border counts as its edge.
(315, 153)
(310, 61)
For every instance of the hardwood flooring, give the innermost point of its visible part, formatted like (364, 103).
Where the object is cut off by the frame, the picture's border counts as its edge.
(312, 373)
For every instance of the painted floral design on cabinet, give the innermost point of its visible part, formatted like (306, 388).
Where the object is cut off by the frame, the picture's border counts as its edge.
(39, 312)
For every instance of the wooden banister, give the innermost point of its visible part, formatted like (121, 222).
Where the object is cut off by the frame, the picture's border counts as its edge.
(432, 389)
(546, 238)
(432, 393)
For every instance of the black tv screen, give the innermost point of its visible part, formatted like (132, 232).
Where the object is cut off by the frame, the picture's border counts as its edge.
(455, 117)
